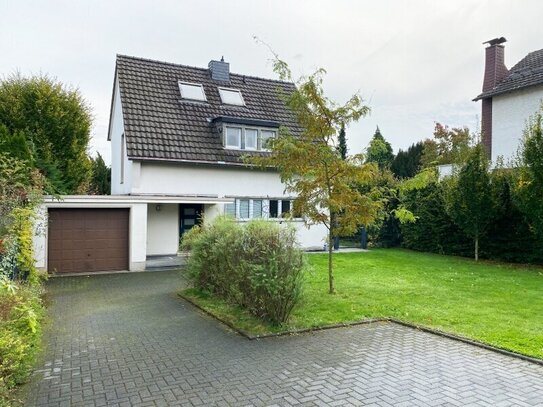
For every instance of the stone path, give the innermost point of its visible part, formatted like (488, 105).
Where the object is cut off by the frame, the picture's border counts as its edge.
(128, 340)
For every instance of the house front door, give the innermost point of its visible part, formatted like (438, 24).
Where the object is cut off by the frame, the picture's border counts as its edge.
(190, 215)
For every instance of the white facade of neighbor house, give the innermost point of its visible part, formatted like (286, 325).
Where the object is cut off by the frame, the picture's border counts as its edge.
(510, 113)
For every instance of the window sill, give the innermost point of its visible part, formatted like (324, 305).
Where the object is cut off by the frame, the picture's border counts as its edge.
(279, 220)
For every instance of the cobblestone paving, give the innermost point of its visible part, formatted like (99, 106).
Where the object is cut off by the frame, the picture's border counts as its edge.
(127, 340)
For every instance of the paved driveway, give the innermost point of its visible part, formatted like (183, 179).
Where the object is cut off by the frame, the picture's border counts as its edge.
(126, 339)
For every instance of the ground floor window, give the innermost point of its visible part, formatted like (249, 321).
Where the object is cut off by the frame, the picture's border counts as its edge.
(253, 208)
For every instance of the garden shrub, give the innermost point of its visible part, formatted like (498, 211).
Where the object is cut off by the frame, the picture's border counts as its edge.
(256, 265)
(21, 307)
(21, 312)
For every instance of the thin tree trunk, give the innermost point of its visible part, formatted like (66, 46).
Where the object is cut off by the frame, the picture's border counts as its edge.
(330, 269)
(477, 248)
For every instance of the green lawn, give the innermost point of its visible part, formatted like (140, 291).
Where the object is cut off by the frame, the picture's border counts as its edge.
(499, 304)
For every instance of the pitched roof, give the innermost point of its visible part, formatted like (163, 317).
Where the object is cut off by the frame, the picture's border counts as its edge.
(160, 125)
(528, 72)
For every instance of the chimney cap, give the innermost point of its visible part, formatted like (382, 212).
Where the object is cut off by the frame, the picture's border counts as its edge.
(495, 41)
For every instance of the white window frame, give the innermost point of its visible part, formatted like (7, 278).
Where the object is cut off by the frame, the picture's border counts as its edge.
(123, 148)
(192, 84)
(221, 88)
(238, 208)
(232, 147)
(260, 140)
(242, 142)
(265, 208)
(245, 138)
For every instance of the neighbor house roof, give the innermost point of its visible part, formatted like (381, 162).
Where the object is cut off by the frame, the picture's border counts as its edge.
(160, 125)
(528, 72)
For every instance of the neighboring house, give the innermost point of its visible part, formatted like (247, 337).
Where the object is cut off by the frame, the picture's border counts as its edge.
(178, 136)
(509, 98)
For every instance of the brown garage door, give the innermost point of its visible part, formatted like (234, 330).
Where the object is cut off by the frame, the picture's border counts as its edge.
(83, 240)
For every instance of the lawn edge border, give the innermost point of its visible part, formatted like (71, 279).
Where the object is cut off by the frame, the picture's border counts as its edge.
(433, 331)
(467, 341)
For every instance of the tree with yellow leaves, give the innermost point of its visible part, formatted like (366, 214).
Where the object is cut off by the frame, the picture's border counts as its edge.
(311, 166)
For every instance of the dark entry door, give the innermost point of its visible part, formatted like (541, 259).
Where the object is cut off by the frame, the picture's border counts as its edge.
(189, 216)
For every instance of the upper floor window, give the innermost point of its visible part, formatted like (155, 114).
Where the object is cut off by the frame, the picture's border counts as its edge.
(265, 137)
(247, 138)
(233, 137)
(192, 91)
(231, 96)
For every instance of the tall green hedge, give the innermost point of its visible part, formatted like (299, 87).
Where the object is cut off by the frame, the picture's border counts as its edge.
(508, 238)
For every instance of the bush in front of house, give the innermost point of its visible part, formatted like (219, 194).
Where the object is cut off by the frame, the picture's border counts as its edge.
(257, 265)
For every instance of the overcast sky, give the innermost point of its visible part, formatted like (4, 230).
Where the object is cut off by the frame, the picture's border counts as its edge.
(415, 62)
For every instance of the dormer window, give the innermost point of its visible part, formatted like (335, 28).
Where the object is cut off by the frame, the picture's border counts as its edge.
(247, 137)
(192, 91)
(231, 97)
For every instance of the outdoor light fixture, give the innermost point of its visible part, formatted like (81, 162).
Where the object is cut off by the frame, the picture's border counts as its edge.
(158, 208)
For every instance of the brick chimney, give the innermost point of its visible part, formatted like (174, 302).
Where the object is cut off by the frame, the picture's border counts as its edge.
(220, 70)
(495, 71)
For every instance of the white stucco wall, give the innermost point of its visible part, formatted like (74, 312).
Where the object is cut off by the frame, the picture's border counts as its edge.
(137, 229)
(308, 236)
(162, 229)
(182, 179)
(116, 131)
(509, 115)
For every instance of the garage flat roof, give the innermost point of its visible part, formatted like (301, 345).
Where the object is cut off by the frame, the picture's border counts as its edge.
(130, 199)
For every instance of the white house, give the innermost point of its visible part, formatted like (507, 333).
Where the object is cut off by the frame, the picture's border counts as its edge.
(178, 135)
(509, 97)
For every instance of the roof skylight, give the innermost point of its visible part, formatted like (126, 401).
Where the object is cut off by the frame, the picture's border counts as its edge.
(231, 97)
(192, 91)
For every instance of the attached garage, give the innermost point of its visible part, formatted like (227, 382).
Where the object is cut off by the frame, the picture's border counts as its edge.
(82, 240)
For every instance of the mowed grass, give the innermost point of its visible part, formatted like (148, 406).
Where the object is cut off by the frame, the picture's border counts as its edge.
(495, 303)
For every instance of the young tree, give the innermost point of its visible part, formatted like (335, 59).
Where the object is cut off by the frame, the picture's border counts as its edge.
(407, 163)
(55, 123)
(379, 151)
(469, 198)
(311, 167)
(529, 186)
(101, 176)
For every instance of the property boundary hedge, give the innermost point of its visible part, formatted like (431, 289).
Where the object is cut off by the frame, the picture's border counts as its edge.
(509, 237)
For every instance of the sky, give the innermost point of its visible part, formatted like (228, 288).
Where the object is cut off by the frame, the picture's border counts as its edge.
(414, 62)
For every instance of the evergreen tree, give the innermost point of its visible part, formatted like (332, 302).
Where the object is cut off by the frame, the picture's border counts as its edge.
(407, 163)
(379, 151)
(101, 176)
(469, 196)
(529, 191)
(342, 142)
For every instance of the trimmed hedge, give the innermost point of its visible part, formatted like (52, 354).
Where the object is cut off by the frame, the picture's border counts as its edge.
(256, 265)
(508, 238)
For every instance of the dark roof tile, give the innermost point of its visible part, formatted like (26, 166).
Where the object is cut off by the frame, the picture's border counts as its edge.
(528, 72)
(160, 125)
